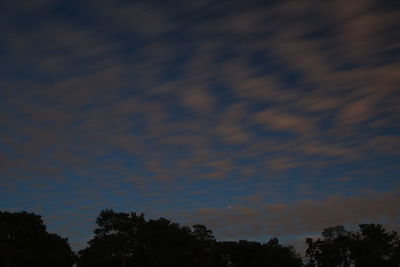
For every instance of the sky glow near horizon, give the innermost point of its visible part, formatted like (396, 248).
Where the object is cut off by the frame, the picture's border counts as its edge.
(257, 119)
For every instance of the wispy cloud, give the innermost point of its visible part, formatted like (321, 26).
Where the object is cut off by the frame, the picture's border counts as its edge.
(148, 106)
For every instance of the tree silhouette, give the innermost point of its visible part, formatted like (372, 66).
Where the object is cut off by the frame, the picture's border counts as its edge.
(123, 239)
(252, 254)
(167, 244)
(201, 232)
(24, 241)
(371, 246)
(114, 241)
(128, 239)
(205, 246)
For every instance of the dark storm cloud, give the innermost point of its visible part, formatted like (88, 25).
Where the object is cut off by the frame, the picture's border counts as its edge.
(180, 102)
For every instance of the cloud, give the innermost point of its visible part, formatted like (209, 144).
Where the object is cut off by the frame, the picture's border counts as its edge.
(282, 121)
(356, 111)
(231, 126)
(388, 145)
(199, 100)
(282, 163)
(145, 19)
(120, 103)
(298, 217)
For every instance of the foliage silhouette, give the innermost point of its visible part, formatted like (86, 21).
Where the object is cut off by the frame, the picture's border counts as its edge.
(123, 239)
(371, 246)
(24, 241)
(245, 253)
(128, 239)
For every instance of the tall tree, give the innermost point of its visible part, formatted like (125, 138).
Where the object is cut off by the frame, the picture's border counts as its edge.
(114, 241)
(205, 246)
(24, 241)
(127, 239)
(373, 246)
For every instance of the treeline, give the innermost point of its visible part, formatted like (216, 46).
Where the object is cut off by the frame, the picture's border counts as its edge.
(24, 241)
(128, 239)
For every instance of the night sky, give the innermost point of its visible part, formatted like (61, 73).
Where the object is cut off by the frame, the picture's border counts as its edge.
(255, 118)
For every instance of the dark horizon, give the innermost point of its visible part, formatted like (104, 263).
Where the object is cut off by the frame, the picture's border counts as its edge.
(130, 239)
(258, 119)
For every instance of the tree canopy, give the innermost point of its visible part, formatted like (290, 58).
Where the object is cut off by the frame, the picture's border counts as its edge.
(24, 241)
(370, 246)
(130, 240)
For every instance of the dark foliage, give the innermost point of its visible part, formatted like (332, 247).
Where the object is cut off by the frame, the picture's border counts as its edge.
(123, 239)
(25, 242)
(249, 254)
(371, 246)
(128, 239)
